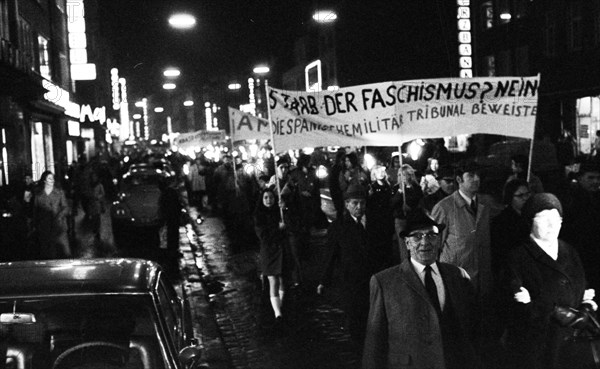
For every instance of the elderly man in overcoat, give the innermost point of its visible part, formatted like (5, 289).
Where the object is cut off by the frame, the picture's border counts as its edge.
(348, 243)
(420, 311)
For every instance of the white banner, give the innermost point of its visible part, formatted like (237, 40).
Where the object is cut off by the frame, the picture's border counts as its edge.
(390, 113)
(246, 126)
(198, 139)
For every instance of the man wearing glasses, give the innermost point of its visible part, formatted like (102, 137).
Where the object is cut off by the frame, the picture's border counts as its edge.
(420, 310)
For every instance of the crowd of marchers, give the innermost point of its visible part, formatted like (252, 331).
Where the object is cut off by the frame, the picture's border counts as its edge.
(433, 272)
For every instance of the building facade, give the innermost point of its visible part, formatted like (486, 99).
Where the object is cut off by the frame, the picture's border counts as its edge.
(560, 40)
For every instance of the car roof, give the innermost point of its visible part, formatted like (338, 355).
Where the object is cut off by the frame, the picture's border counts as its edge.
(77, 276)
(144, 172)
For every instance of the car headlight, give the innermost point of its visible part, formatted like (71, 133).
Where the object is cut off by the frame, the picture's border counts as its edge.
(6, 214)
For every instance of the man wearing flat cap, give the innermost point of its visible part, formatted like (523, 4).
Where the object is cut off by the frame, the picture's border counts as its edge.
(347, 242)
(420, 310)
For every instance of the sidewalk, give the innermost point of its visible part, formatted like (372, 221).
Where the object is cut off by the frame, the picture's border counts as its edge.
(242, 331)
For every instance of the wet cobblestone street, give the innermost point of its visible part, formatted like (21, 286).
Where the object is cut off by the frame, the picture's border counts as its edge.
(312, 336)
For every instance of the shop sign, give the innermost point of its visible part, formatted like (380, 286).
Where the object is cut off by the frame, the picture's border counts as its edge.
(60, 97)
(96, 115)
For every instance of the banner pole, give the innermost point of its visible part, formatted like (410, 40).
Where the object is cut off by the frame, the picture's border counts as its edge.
(273, 148)
(235, 176)
(530, 155)
(402, 176)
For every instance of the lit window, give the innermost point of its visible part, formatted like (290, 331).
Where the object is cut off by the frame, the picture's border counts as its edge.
(44, 57)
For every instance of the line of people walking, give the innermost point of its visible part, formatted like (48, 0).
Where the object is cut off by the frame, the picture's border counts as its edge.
(433, 272)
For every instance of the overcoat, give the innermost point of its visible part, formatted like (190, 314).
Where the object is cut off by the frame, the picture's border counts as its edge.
(534, 340)
(466, 238)
(272, 239)
(348, 244)
(403, 329)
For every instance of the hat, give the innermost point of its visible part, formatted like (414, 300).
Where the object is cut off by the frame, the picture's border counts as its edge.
(418, 219)
(540, 202)
(355, 191)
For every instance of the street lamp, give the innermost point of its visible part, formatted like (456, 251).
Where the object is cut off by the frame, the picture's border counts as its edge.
(188, 103)
(171, 73)
(169, 86)
(182, 21)
(261, 69)
(234, 86)
(159, 109)
(324, 16)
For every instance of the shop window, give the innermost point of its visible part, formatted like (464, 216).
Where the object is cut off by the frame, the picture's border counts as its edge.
(44, 57)
(575, 34)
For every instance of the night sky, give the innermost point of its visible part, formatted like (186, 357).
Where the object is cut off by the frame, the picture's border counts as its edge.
(385, 39)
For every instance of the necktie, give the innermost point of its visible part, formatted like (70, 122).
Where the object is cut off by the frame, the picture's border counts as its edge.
(360, 223)
(432, 289)
(474, 207)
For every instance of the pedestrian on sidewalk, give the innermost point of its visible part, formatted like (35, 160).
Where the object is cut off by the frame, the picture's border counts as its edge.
(50, 211)
(96, 204)
(271, 231)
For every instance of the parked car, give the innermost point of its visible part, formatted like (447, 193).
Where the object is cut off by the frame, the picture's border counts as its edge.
(94, 313)
(135, 215)
(137, 202)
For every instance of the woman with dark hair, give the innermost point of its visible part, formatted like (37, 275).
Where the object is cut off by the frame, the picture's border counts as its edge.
(271, 232)
(429, 182)
(50, 211)
(508, 229)
(352, 173)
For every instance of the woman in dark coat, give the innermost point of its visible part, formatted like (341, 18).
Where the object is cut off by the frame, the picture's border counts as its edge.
(270, 230)
(542, 273)
(379, 212)
(50, 211)
(508, 229)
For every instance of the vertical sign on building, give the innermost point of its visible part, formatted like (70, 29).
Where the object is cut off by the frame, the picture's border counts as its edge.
(81, 70)
(465, 51)
(114, 82)
(126, 131)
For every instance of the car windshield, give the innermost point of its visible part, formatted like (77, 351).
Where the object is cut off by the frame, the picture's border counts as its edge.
(76, 332)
